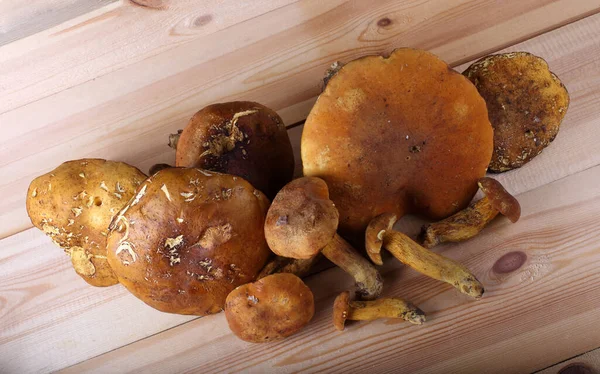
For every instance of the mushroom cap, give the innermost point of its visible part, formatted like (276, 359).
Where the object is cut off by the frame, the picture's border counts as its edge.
(269, 309)
(301, 220)
(187, 238)
(373, 239)
(341, 307)
(242, 138)
(399, 134)
(500, 199)
(74, 204)
(526, 103)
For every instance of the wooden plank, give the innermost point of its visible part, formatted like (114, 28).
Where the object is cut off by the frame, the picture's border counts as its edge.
(553, 296)
(131, 75)
(589, 361)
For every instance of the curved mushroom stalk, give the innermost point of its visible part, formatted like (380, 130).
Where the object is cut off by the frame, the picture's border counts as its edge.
(421, 259)
(298, 267)
(470, 221)
(369, 283)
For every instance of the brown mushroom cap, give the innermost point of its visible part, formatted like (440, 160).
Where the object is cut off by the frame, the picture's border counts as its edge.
(301, 219)
(526, 103)
(241, 138)
(74, 204)
(341, 307)
(187, 238)
(271, 308)
(500, 199)
(373, 240)
(399, 134)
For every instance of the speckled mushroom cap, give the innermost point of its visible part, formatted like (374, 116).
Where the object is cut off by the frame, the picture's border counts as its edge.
(397, 135)
(187, 238)
(500, 199)
(269, 309)
(241, 138)
(526, 103)
(301, 220)
(74, 204)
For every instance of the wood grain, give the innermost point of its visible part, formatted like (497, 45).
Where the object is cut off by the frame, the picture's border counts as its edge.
(551, 296)
(115, 82)
(589, 360)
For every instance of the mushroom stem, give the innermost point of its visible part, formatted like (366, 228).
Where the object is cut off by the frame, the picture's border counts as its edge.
(462, 226)
(385, 308)
(368, 280)
(431, 264)
(298, 267)
(174, 138)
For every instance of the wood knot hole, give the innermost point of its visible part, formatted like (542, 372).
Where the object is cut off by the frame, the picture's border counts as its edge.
(509, 262)
(384, 22)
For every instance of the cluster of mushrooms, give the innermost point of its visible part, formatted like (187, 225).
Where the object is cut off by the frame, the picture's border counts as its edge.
(228, 229)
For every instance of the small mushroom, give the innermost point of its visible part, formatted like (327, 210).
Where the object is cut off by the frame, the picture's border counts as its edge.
(344, 309)
(187, 238)
(74, 204)
(302, 222)
(380, 234)
(241, 138)
(470, 221)
(526, 104)
(269, 309)
(298, 267)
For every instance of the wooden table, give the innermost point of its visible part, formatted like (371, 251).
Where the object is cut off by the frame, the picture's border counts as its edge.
(111, 79)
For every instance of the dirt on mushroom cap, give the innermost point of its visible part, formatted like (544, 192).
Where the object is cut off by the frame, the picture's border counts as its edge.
(187, 238)
(526, 103)
(74, 204)
(399, 134)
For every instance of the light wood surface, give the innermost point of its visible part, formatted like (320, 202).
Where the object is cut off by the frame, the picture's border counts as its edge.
(129, 75)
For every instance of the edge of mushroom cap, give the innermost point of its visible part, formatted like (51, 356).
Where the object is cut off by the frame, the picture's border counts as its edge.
(500, 199)
(341, 307)
(373, 240)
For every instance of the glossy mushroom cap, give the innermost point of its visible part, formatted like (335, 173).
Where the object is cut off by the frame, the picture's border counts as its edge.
(269, 309)
(301, 220)
(341, 307)
(399, 134)
(187, 238)
(526, 103)
(74, 204)
(241, 138)
(373, 239)
(500, 199)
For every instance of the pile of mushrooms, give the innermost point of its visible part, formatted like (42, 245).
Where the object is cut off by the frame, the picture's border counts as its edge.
(388, 136)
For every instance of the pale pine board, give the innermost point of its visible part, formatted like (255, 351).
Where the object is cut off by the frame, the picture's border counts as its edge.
(589, 360)
(542, 312)
(115, 82)
(95, 334)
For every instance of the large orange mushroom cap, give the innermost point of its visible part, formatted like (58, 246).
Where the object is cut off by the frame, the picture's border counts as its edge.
(402, 134)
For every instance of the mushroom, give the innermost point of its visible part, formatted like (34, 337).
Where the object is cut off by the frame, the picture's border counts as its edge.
(399, 134)
(469, 222)
(74, 204)
(157, 167)
(187, 238)
(302, 222)
(269, 309)
(344, 309)
(526, 104)
(380, 233)
(298, 267)
(241, 138)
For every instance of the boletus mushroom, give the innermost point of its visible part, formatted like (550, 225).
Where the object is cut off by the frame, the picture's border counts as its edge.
(526, 104)
(187, 238)
(302, 222)
(74, 204)
(398, 134)
(241, 138)
(380, 233)
(470, 221)
(344, 309)
(269, 309)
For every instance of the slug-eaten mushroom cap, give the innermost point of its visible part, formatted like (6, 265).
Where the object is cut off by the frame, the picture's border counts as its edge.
(74, 204)
(402, 134)
(269, 309)
(241, 138)
(187, 238)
